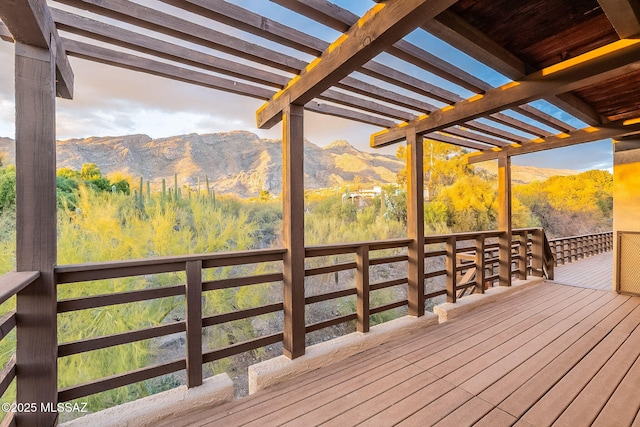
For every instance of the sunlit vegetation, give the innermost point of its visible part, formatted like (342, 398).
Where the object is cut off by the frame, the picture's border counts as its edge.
(114, 218)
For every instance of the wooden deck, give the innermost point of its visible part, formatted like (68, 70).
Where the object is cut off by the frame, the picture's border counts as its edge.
(594, 272)
(550, 355)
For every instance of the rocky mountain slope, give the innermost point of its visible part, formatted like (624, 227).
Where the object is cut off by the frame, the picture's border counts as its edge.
(236, 162)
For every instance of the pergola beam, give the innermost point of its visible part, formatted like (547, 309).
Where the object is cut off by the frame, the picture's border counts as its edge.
(454, 30)
(624, 15)
(30, 23)
(617, 129)
(607, 62)
(379, 28)
(135, 63)
(341, 19)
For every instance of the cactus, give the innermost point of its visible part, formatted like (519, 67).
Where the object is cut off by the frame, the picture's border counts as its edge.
(148, 190)
(175, 186)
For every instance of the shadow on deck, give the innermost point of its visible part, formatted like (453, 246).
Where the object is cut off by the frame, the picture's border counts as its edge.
(551, 354)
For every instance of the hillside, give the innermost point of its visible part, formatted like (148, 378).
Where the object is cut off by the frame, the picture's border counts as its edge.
(238, 162)
(527, 174)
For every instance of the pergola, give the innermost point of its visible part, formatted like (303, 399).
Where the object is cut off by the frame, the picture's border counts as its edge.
(582, 56)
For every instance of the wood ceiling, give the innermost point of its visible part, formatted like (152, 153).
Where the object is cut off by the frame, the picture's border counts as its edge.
(595, 92)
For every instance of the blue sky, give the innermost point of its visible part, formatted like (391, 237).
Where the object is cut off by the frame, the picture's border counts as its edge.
(111, 101)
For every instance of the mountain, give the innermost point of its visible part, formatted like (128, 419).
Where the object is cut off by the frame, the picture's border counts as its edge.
(235, 162)
(526, 174)
(240, 162)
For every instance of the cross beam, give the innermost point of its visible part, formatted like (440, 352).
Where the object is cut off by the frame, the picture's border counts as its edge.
(30, 23)
(610, 61)
(378, 29)
(615, 130)
(624, 15)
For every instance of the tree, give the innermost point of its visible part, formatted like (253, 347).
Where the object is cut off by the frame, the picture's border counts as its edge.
(7, 187)
(443, 165)
(90, 172)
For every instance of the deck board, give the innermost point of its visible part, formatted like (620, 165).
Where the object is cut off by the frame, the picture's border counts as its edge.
(593, 272)
(550, 354)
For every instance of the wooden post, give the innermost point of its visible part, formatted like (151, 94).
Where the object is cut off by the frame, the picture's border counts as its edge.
(480, 264)
(537, 252)
(194, 323)
(293, 230)
(36, 313)
(450, 267)
(415, 223)
(504, 219)
(362, 287)
(522, 256)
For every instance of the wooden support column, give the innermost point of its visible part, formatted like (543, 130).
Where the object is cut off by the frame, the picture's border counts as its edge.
(37, 343)
(293, 230)
(504, 219)
(415, 223)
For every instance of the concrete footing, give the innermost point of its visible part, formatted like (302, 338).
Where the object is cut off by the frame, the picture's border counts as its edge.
(448, 311)
(279, 369)
(149, 410)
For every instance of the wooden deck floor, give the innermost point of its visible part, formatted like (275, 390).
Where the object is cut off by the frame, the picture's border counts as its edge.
(550, 355)
(594, 272)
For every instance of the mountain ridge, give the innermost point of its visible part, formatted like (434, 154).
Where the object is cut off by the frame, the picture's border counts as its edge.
(237, 162)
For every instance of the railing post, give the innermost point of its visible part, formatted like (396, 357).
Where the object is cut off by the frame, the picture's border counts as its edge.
(415, 224)
(480, 264)
(522, 255)
(504, 218)
(36, 310)
(537, 253)
(362, 287)
(293, 230)
(194, 323)
(450, 265)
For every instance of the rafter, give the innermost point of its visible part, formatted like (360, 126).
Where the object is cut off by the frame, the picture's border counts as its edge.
(600, 64)
(341, 19)
(30, 23)
(624, 15)
(617, 129)
(382, 26)
(454, 30)
(137, 63)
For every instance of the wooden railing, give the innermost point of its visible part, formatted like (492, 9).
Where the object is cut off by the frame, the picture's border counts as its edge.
(194, 322)
(10, 285)
(455, 264)
(569, 249)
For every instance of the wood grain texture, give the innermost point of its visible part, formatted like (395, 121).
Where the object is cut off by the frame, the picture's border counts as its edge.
(30, 23)
(293, 230)
(363, 288)
(415, 224)
(193, 323)
(504, 219)
(610, 61)
(380, 27)
(36, 243)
